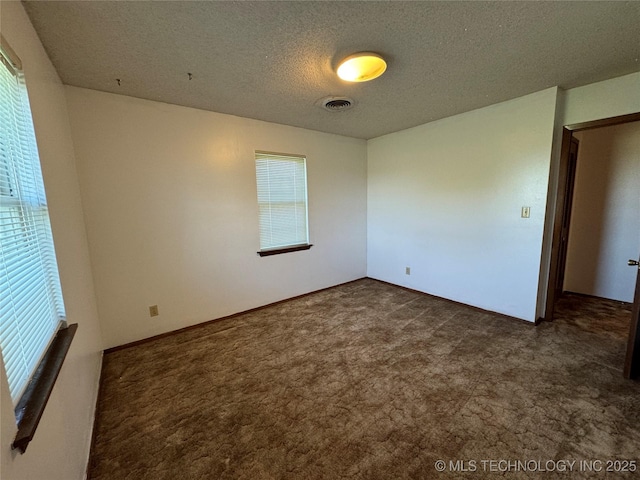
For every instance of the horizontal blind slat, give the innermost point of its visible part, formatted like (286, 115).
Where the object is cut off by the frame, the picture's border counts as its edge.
(282, 200)
(31, 303)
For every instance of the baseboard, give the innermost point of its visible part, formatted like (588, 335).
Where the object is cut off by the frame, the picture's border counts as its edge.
(587, 295)
(227, 317)
(478, 309)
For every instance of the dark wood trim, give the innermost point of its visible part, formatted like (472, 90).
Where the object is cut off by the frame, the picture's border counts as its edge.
(569, 171)
(586, 295)
(216, 320)
(251, 310)
(557, 223)
(632, 360)
(32, 403)
(477, 309)
(567, 134)
(605, 122)
(278, 251)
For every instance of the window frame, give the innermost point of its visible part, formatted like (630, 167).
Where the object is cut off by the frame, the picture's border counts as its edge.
(31, 395)
(293, 247)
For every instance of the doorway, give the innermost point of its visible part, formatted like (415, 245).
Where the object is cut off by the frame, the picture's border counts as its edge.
(567, 207)
(560, 244)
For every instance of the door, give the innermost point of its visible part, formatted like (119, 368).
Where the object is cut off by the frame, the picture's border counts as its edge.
(555, 265)
(552, 283)
(632, 362)
(566, 216)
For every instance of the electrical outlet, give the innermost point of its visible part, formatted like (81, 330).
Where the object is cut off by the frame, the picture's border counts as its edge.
(407, 270)
(153, 311)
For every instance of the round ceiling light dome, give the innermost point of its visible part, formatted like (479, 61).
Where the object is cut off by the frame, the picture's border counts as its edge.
(361, 67)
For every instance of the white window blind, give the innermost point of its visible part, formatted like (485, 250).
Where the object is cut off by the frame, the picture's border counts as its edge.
(31, 306)
(282, 200)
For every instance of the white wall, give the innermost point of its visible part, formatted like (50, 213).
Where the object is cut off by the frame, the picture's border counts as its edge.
(605, 218)
(610, 98)
(60, 447)
(596, 101)
(445, 199)
(172, 217)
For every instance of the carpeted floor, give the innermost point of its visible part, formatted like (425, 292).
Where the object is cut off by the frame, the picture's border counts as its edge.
(371, 381)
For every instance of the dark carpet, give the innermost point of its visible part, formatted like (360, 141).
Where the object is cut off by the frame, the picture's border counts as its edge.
(371, 381)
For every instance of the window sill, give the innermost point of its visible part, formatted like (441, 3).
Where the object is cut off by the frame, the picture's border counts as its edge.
(31, 405)
(277, 251)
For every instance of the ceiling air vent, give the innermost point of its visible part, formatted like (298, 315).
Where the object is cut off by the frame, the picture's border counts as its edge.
(336, 104)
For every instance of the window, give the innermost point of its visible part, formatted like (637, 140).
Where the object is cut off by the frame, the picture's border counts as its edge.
(282, 202)
(31, 306)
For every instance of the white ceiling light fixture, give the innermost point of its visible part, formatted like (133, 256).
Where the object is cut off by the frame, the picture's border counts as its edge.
(361, 67)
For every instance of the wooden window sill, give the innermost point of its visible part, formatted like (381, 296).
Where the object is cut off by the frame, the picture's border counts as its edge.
(31, 405)
(278, 251)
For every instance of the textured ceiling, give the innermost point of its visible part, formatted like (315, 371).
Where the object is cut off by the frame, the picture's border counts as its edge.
(274, 61)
